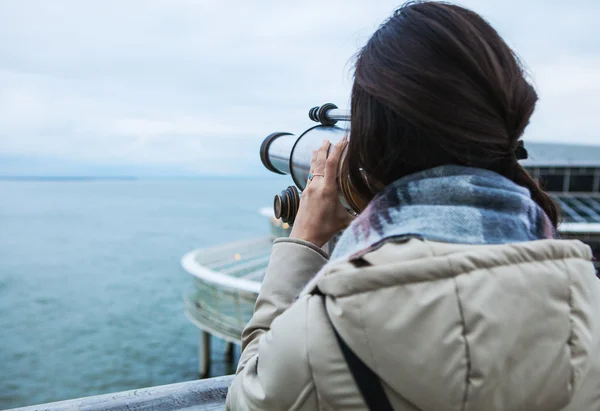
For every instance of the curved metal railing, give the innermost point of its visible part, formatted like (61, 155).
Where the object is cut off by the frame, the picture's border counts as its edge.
(227, 280)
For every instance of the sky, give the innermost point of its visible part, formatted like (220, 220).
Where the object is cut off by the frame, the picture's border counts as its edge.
(182, 87)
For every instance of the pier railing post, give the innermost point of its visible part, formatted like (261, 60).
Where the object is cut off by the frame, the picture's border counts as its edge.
(204, 354)
(229, 352)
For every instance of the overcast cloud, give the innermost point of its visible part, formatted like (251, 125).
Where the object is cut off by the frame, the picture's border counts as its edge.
(186, 86)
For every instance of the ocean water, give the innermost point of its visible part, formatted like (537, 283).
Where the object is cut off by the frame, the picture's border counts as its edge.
(91, 283)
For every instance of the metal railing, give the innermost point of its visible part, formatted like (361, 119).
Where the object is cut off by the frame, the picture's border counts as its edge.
(201, 395)
(226, 282)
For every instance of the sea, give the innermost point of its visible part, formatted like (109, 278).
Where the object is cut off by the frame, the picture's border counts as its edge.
(91, 283)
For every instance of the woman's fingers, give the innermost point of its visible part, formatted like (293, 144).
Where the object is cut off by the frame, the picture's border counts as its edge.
(319, 164)
(313, 160)
(321, 214)
(333, 160)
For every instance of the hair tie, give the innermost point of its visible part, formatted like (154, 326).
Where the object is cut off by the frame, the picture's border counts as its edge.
(521, 152)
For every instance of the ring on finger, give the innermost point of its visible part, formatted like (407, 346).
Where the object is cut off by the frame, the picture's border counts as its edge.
(313, 175)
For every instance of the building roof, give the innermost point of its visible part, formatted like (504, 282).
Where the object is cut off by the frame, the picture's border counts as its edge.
(561, 155)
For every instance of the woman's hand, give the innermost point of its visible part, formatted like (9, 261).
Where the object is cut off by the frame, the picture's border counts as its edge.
(320, 214)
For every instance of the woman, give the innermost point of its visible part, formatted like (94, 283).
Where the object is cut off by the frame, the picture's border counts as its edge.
(451, 290)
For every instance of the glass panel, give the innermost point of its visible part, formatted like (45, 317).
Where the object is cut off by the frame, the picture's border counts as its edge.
(581, 183)
(581, 170)
(574, 206)
(553, 183)
(593, 203)
(569, 215)
(590, 207)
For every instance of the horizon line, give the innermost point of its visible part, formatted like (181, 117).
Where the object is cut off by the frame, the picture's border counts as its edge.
(130, 177)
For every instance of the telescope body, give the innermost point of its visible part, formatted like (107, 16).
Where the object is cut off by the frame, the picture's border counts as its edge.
(286, 153)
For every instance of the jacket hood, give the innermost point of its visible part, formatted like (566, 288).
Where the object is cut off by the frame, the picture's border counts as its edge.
(483, 327)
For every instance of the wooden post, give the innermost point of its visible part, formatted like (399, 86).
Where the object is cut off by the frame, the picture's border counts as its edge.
(204, 354)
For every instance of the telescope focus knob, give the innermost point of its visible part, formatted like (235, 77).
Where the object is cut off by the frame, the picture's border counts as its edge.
(286, 204)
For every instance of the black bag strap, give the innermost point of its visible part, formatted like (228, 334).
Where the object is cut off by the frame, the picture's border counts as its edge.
(367, 381)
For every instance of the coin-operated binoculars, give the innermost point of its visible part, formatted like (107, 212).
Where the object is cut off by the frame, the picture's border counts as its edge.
(285, 153)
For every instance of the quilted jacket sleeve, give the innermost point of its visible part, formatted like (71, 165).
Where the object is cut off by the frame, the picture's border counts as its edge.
(274, 371)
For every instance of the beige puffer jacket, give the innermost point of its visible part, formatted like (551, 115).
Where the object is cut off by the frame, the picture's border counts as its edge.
(446, 327)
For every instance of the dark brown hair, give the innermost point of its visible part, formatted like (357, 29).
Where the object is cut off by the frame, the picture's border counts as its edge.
(437, 85)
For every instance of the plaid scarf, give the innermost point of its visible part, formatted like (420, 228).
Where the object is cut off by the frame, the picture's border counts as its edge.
(452, 204)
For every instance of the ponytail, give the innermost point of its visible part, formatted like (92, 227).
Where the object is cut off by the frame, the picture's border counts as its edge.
(552, 210)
